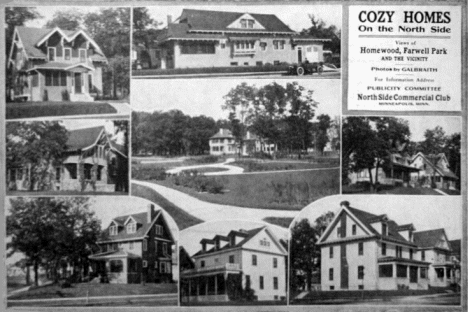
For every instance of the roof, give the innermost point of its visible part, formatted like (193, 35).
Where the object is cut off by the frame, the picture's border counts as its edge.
(142, 226)
(223, 133)
(82, 138)
(433, 160)
(181, 31)
(248, 235)
(368, 218)
(119, 148)
(397, 259)
(113, 254)
(456, 247)
(428, 239)
(61, 66)
(219, 20)
(30, 36)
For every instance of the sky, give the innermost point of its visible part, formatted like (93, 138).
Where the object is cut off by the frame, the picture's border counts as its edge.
(73, 124)
(190, 238)
(419, 125)
(196, 97)
(295, 16)
(425, 212)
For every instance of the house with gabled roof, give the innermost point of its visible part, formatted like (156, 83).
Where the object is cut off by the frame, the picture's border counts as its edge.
(435, 247)
(136, 248)
(434, 170)
(224, 143)
(93, 161)
(54, 65)
(203, 38)
(243, 259)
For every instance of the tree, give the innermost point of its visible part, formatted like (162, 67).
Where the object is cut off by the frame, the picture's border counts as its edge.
(434, 141)
(452, 151)
(321, 133)
(17, 16)
(67, 20)
(145, 31)
(323, 221)
(49, 231)
(319, 29)
(39, 145)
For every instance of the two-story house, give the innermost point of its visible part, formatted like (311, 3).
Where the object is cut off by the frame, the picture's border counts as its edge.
(434, 170)
(93, 161)
(224, 143)
(202, 38)
(435, 248)
(361, 250)
(54, 65)
(252, 259)
(136, 248)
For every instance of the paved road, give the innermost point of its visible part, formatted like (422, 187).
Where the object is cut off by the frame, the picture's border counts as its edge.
(210, 211)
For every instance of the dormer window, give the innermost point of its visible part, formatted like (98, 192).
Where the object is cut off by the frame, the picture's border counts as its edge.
(131, 227)
(410, 236)
(247, 23)
(158, 229)
(83, 55)
(384, 229)
(51, 54)
(113, 230)
(67, 54)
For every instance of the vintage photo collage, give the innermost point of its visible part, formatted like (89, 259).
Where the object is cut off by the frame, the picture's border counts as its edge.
(184, 155)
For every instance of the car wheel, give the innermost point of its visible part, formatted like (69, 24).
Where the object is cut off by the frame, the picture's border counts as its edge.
(320, 70)
(300, 71)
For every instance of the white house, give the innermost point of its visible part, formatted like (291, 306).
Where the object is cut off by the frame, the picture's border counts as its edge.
(435, 170)
(254, 257)
(224, 143)
(361, 250)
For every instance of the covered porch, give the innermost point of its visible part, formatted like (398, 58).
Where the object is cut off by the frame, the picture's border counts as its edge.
(119, 267)
(445, 274)
(398, 273)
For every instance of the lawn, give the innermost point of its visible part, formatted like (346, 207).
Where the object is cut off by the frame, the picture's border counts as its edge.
(41, 109)
(270, 190)
(206, 170)
(182, 218)
(283, 222)
(390, 190)
(63, 193)
(211, 70)
(256, 166)
(95, 290)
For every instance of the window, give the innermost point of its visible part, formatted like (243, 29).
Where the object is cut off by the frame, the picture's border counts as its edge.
(223, 45)
(243, 23)
(384, 249)
(155, 264)
(360, 286)
(131, 227)
(250, 23)
(35, 80)
(384, 229)
(332, 287)
(278, 44)
(244, 45)
(116, 266)
(90, 82)
(331, 252)
(399, 251)
(354, 229)
(145, 263)
(234, 64)
(261, 282)
(162, 267)
(156, 246)
(197, 48)
(247, 280)
(113, 230)
(361, 249)
(56, 79)
(275, 262)
(338, 232)
(275, 283)
(67, 54)
(423, 272)
(51, 54)
(131, 245)
(411, 254)
(401, 270)
(423, 255)
(158, 229)
(164, 248)
(264, 242)
(360, 274)
(202, 263)
(330, 274)
(216, 260)
(386, 270)
(263, 46)
(231, 259)
(83, 55)
(145, 245)
(254, 259)
(247, 23)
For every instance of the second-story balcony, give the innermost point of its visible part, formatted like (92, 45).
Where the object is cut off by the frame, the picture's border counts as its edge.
(227, 267)
(244, 52)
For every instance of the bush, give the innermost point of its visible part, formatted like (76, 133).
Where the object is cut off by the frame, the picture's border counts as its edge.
(192, 179)
(205, 159)
(158, 174)
(65, 284)
(65, 95)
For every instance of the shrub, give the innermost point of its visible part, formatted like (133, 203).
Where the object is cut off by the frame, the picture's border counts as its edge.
(192, 179)
(65, 284)
(65, 95)
(158, 174)
(205, 159)
(45, 97)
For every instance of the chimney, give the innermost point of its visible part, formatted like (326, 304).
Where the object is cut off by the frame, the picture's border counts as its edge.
(150, 213)
(344, 204)
(169, 19)
(203, 246)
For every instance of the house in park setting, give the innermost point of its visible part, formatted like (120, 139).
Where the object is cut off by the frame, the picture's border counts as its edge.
(224, 143)
(227, 265)
(93, 161)
(201, 38)
(136, 248)
(396, 170)
(434, 171)
(55, 65)
(361, 250)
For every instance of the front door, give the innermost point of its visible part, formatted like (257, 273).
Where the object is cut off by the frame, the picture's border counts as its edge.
(413, 274)
(78, 83)
(299, 55)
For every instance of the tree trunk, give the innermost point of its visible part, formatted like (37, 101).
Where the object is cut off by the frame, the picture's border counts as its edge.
(370, 180)
(376, 175)
(36, 273)
(28, 275)
(309, 279)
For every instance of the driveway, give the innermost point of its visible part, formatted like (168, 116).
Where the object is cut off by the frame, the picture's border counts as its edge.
(209, 211)
(226, 168)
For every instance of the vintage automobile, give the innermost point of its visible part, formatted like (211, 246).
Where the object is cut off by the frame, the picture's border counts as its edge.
(306, 68)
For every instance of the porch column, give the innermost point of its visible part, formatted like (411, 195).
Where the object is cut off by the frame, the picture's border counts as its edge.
(176, 54)
(216, 284)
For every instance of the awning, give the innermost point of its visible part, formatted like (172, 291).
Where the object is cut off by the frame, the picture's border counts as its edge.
(243, 38)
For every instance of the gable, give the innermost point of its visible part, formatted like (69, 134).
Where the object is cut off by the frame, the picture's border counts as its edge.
(246, 21)
(344, 221)
(161, 220)
(264, 241)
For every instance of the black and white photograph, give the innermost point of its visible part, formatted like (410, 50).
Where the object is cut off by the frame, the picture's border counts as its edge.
(67, 61)
(225, 41)
(67, 157)
(257, 148)
(407, 155)
(377, 250)
(90, 251)
(235, 262)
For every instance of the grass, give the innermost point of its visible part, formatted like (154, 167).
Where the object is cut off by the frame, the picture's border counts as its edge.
(270, 190)
(42, 109)
(237, 303)
(206, 169)
(95, 290)
(451, 192)
(211, 70)
(256, 166)
(283, 222)
(182, 218)
(387, 189)
(62, 193)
